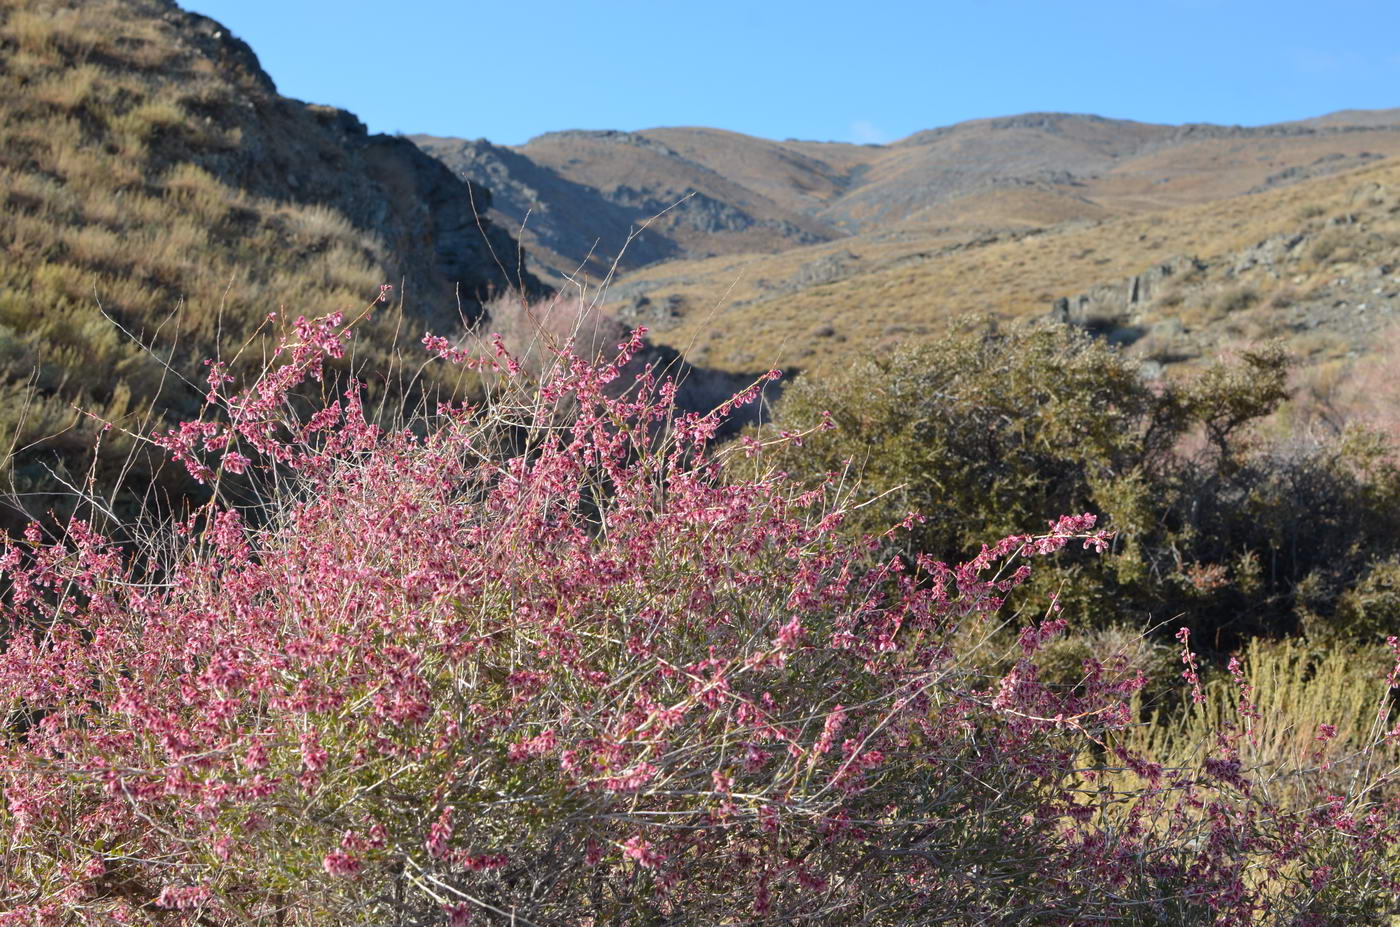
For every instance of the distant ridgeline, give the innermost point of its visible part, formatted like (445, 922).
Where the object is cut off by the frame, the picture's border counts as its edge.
(151, 172)
(580, 198)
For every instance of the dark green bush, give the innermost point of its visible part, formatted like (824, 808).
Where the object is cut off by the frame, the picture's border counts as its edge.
(995, 431)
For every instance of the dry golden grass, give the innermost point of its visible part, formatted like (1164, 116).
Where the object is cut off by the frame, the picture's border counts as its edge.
(108, 218)
(1010, 208)
(1214, 169)
(912, 284)
(1295, 688)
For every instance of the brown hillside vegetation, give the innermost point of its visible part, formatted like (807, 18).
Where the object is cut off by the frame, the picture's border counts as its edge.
(578, 196)
(151, 172)
(823, 305)
(644, 632)
(1119, 165)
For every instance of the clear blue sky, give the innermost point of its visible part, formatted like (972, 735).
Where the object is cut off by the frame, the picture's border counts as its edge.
(860, 70)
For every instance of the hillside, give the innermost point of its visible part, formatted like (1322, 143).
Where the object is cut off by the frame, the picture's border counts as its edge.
(151, 173)
(1021, 593)
(727, 193)
(585, 193)
(162, 198)
(1314, 262)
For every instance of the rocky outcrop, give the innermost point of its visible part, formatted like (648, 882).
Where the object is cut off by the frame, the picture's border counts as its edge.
(704, 192)
(1334, 281)
(1327, 164)
(1111, 305)
(589, 200)
(438, 238)
(560, 222)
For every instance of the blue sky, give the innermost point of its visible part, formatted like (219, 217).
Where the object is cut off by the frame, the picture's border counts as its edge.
(861, 70)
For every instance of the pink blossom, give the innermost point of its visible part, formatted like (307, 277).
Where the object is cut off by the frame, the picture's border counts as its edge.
(643, 852)
(340, 863)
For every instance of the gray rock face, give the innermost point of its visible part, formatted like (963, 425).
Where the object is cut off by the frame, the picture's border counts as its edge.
(657, 315)
(611, 136)
(595, 197)
(826, 269)
(1328, 164)
(700, 212)
(1334, 278)
(1111, 305)
(561, 222)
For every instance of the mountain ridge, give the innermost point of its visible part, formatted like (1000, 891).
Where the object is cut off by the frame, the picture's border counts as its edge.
(721, 192)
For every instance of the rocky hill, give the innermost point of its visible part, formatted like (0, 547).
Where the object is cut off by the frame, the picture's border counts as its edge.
(1313, 263)
(582, 200)
(709, 192)
(1329, 287)
(153, 180)
(161, 199)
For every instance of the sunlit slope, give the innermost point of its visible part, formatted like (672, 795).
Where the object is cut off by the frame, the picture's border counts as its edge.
(825, 304)
(579, 196)
(1114, 165)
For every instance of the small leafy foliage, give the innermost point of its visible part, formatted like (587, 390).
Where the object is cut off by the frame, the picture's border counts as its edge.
(997, 428)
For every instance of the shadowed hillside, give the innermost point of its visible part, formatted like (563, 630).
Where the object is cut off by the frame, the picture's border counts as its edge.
(151, 173)
(585, 193)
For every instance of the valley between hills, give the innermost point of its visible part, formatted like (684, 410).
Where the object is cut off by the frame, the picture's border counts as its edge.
(745, 253)
(161, 197)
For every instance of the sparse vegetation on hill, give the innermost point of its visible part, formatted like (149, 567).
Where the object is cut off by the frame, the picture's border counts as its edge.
(1328, 288)
(726, 193)
(1085, 612)
(898, 287)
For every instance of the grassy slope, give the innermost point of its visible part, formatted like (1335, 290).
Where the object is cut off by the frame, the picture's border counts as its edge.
(148, 166)
(586, 190)
(911, 282)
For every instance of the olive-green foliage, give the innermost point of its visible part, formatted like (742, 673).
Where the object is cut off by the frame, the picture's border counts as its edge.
(1372, 605)
(1126, 650)
(985, 434)
(111, 214)
(999, 431)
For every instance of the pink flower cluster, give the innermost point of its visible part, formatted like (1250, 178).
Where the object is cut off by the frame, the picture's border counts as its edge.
(548, 656)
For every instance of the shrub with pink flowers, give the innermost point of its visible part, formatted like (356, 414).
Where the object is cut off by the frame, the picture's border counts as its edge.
(540, 661)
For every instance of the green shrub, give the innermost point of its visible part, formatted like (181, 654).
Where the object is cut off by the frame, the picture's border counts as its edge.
(1216, 529)
(1368, 609)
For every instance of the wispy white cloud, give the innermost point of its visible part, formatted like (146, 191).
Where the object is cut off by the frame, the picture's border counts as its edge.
(865, 132)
